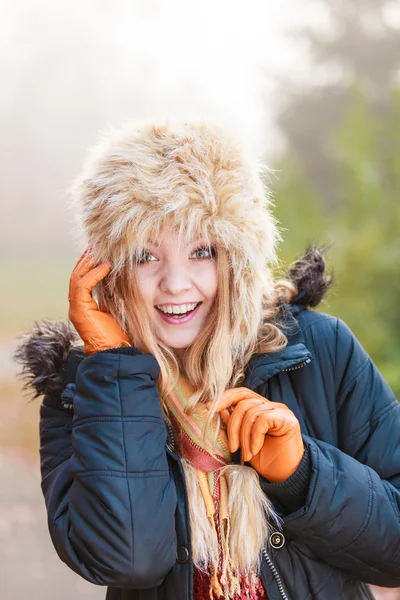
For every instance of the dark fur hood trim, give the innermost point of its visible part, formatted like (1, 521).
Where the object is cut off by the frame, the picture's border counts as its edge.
(44, 350)
(43, 353)
(308, 274)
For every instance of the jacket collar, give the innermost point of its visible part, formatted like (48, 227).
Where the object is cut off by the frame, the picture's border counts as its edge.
(263, 366)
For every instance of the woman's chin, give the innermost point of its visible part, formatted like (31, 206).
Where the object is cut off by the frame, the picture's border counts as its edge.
(178, 342)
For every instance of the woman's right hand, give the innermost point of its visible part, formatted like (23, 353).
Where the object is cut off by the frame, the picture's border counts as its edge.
(98, 329)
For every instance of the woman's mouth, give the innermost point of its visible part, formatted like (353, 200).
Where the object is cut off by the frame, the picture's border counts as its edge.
(175, 319)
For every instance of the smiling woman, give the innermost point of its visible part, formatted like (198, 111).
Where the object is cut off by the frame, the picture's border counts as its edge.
(214, 438)
(187, 223)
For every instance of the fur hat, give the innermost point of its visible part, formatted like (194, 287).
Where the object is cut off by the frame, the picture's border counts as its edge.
(192, 176)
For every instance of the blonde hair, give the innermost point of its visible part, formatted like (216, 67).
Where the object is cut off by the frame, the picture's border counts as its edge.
(252, 519)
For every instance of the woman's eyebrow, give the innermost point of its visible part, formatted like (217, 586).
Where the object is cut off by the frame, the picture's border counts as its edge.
(199, 240)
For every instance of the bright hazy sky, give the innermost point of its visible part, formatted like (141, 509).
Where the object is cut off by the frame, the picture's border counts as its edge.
(180, 57)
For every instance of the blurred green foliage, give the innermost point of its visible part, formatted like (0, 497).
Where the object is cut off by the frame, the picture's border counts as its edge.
(362, 234)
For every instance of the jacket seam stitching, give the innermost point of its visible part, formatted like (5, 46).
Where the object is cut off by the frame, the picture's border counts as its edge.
(367, 519)
(126, 464)
(350, 379)
(121, 474)
(118, 419)
(371, 421)
(315, 323)
(352, 376)
(53, 462)
(46, 427)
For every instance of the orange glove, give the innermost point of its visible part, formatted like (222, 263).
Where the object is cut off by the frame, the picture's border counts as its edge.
(98, 330)
(267, 432)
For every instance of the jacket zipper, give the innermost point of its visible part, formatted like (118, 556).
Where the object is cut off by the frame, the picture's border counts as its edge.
(171, 433)
(298, 366)
(275, 575)
(267, 557)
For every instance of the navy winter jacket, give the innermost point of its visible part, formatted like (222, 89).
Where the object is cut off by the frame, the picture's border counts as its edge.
(115, 491)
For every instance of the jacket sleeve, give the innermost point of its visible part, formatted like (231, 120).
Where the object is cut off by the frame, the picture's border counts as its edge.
(344, 502)
(105, 477)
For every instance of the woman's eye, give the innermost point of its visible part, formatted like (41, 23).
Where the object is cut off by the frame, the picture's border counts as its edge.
(206, 252)
(142, 258)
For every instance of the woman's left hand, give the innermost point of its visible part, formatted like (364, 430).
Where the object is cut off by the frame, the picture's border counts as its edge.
(267, 432)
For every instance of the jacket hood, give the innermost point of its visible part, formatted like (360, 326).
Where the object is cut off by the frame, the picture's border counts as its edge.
(44, 350)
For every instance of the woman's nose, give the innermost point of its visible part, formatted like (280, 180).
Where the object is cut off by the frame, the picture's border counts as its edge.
(175, 281)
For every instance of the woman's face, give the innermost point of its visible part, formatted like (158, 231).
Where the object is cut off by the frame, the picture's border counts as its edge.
(172, 279)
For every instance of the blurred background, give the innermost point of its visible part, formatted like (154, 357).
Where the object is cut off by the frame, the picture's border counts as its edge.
(311, 87)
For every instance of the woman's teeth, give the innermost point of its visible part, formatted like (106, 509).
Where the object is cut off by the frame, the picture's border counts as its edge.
(177, 310)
